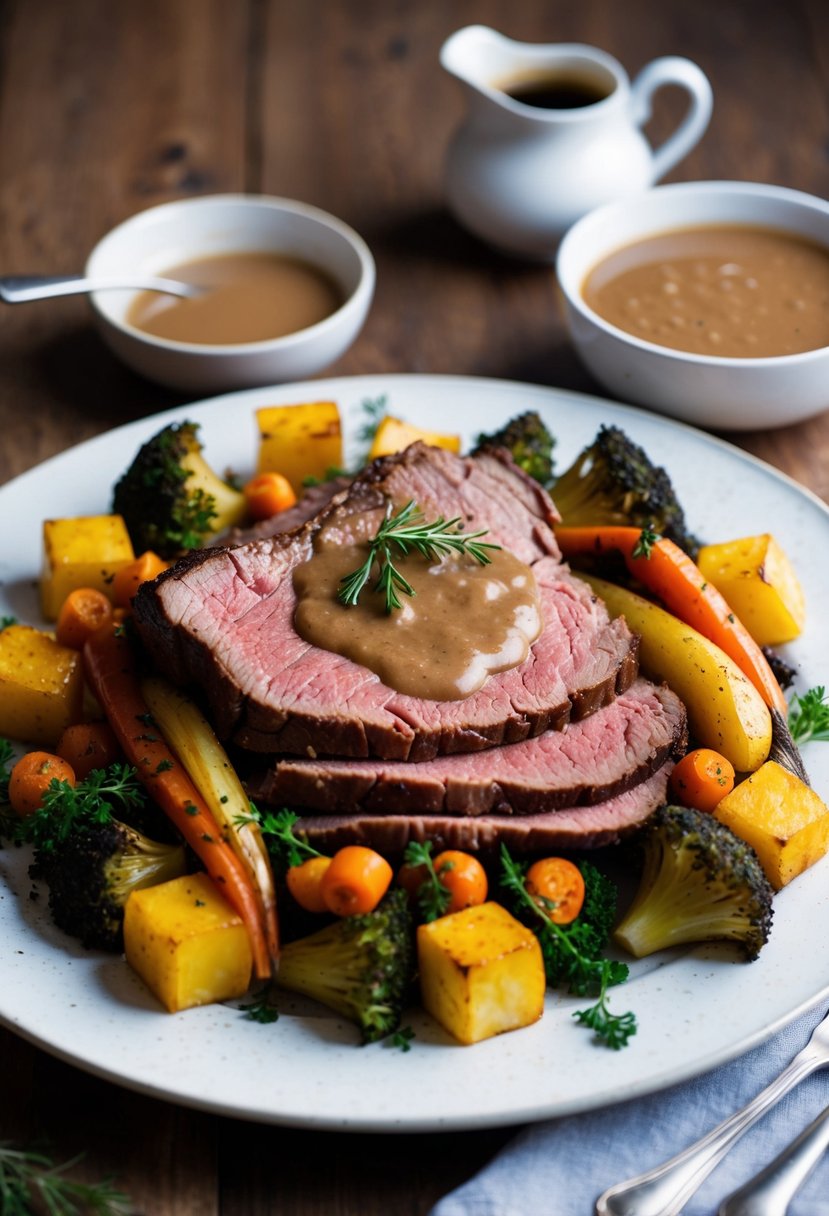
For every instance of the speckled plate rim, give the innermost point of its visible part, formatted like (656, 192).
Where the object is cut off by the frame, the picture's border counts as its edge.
(696, 1009)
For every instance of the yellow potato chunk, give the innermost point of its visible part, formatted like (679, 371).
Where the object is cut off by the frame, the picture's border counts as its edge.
(300, 441)
(757, 579)
(41, 686)
(481, 972)
(784, 821)
(393, 435)
(187, 943)
(87, 551)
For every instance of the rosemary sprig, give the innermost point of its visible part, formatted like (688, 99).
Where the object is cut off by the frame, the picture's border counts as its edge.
(433, 897)
(409, 531)
(30, 1182)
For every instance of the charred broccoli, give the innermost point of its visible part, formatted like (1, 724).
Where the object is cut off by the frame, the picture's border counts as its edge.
(170, 498)
(360, 966)
(612, 481)
(529, 443)
(699, 883)
(91, 860)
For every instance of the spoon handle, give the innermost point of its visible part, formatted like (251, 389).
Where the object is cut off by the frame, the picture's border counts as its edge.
(19, 289)
(664, 1190)
(772, 1190)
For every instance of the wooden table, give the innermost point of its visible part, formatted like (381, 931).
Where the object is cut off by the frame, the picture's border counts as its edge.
(107, 108)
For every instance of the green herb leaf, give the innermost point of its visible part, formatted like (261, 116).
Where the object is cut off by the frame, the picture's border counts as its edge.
(31, 1183)
(433, 897)
(409, 531)
(809, 716)
(64, 808)
(283, 843)
(402, 1038)
(645, 543)
(263, 1009)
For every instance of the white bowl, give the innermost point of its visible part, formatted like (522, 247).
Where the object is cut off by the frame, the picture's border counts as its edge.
(728, 394)
(162, 237)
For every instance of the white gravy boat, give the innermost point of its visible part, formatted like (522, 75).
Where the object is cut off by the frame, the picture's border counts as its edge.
(518, 175)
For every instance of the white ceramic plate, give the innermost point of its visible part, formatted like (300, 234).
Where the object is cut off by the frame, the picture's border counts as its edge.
(696, 1009)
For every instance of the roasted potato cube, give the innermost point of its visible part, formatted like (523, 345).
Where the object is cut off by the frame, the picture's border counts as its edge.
(393, 435)
(84, 552)
(187, 943)
(481, 972)
(300, 441)
(757, 579)
(784, 821)
(41, 686)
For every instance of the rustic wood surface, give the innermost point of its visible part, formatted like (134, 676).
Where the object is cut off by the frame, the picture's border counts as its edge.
(110, 106)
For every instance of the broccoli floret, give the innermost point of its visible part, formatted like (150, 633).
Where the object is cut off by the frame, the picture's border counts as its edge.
(91, 873)
(360, 966)
(170, 498)
(528, 441)
(92, 860)
(613, 481)
(699, 883)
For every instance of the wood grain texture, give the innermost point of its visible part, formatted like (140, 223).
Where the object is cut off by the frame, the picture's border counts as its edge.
(107, 108)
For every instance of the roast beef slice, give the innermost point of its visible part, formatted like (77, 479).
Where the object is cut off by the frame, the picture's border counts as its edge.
(222, 621)
(589, 761)
(585, 827)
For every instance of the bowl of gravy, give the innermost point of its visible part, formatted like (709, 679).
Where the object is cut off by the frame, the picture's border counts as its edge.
(708, 301)
(283, 289)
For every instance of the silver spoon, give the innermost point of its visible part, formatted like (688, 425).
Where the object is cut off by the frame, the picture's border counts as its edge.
(664, 1190)
(772, 1190)
(19, 289)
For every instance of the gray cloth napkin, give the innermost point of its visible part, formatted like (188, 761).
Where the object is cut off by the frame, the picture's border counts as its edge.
(561, 1167)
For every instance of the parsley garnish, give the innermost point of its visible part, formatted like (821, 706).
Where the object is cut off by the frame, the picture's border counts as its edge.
(5, 621)
(263, 1009)
(402, 1038)
(282, 841)
(64, 808)
(31, 1182)
(569, 957)
(809, 716)
(645, 543)
(410, 532)
(433, 897)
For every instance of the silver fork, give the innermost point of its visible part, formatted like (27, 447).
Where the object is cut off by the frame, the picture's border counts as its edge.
(664, 1190)
(772, 1190)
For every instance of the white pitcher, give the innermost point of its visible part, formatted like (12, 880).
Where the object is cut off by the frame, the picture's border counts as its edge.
(520, 174)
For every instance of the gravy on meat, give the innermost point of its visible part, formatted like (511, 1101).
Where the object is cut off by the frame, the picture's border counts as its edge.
(464, 623)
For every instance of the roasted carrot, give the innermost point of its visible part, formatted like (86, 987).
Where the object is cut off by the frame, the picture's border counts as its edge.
(267, 494)
(560, 885)
(113, 676)
(356, 881)
(82, 612)
(701, 779)
(88, 745)
(304, 881)
(670, 574)
(31, 777)
(130, 577)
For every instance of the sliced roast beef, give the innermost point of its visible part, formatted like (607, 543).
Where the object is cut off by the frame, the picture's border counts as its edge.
(309, 505)
(222, 620)
(584, 827)
(590, 761)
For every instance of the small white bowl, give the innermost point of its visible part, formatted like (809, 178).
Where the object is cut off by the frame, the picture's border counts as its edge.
(710, 391)
(162, 237)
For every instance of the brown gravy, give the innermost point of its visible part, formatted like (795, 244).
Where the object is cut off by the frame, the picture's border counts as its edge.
(464, 623)
(738, 292)
(250, 297)
(555, 91)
